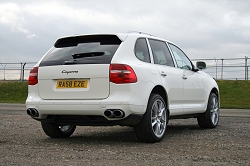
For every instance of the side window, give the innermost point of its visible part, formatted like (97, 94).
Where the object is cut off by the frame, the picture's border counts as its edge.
(161, 53)
(181, 59)
(141, 50)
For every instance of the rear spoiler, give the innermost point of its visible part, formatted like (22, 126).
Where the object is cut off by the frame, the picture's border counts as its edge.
(75, 40)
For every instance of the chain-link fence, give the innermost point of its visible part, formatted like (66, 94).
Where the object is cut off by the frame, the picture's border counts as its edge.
(224, 69)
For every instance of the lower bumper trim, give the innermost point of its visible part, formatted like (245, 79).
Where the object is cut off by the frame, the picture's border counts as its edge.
(91, 120)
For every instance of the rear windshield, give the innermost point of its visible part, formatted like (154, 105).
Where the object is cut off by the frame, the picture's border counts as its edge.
(91, 49)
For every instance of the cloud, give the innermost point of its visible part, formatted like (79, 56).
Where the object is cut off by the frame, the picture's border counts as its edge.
(11, 16)
(201, 28)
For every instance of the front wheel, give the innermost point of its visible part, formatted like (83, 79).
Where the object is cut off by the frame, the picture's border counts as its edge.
(210, 118)
(153, 126)
(54, 130)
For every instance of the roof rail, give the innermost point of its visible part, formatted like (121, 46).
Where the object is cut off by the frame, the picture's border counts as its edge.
(139, 33)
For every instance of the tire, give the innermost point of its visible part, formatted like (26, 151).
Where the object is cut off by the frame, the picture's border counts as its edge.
(153, 126)
(54, 130)
(210, 118)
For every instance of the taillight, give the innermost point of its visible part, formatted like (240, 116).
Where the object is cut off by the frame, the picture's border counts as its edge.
(122, 74)
(33, 77)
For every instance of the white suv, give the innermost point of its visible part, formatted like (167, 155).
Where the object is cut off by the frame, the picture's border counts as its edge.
(129, 79)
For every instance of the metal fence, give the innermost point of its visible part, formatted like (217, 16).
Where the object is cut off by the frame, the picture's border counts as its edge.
(220, 69)
(15, 71)
(227, 68)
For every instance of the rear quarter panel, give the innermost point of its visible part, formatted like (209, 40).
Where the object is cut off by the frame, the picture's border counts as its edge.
(147, 74)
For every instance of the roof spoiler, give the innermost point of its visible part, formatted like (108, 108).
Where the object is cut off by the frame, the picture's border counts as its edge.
(75, 40)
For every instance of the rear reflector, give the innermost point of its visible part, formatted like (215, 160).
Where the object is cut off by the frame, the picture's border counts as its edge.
(33, 77)
(122, 74)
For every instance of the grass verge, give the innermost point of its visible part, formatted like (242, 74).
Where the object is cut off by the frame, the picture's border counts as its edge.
(13, 91)
(234, 94)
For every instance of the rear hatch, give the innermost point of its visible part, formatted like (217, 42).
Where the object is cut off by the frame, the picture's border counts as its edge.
(77, 67)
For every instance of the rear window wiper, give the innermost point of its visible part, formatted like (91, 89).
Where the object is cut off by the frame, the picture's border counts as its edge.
(87, 54)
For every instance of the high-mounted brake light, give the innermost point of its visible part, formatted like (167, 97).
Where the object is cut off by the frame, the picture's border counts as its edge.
(122, 74)
(33, 77)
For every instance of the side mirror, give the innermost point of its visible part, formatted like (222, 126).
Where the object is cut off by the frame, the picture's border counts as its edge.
(201, 65)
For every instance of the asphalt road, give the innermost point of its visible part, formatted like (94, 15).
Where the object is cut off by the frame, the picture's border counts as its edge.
(22, 142)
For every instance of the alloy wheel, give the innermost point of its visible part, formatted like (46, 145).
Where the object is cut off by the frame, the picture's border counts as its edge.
(214, 110)
(159, 118)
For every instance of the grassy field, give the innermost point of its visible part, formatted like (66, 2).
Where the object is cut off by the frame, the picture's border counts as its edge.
(234, 94)
(13, 91)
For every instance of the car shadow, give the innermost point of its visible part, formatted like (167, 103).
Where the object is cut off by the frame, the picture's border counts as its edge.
(118, 135)
(112, 136)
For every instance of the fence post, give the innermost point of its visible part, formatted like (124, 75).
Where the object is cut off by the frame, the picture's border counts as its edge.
(216, 61)
(222, 69)
(23, 71)
(4, 71)
(246, 68)
(247, 71)
(2, 65)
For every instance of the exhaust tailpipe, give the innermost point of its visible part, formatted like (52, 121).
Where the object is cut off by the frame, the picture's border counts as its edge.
(118, 113)
(114, 113)
(109, 113)
(32, 112)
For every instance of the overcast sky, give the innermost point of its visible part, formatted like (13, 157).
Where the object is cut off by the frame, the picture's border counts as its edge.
(202, 28)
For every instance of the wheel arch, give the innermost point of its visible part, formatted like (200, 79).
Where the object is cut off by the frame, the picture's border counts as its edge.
(158, 89)
(216, 92)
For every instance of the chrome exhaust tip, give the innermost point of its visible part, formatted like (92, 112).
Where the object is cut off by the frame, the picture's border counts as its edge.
(114, 113)
(32, 112)
(118, 113)
(109, 113)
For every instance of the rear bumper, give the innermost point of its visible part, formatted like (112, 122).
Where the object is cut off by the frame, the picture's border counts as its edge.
(85, 112)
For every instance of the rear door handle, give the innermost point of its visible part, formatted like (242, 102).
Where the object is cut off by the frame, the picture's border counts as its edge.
(184, 77)
(163, 74)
